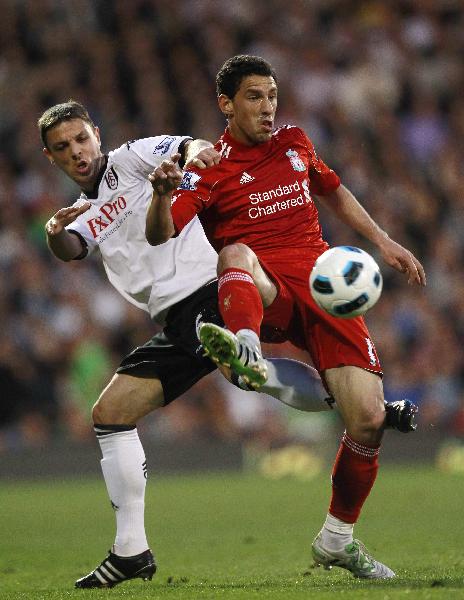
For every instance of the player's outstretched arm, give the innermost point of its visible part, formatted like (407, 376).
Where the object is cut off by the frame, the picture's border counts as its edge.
(64, 245)
(159, 226)
(349, 210)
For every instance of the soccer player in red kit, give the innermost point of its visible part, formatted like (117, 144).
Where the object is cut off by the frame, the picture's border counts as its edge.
(257, 209)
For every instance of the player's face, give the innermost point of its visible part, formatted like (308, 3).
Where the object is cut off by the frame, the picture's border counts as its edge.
(74, 146)
(252, 110)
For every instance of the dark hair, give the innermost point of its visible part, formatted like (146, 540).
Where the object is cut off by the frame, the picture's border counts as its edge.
(62, 112)
(232, 72)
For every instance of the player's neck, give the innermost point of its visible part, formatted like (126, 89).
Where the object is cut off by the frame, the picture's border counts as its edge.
(240, 138)
(90, 189)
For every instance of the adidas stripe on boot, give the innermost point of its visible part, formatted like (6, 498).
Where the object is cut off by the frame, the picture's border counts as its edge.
(116, 569)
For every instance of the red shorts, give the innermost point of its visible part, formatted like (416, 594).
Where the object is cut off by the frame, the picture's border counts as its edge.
(294, 316)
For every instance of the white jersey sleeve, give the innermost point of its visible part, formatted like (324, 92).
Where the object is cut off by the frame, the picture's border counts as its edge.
(142, 156)
(80, 227)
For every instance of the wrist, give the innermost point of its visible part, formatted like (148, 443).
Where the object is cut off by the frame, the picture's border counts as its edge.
(52, 230)
(161, 193)
(380, 238)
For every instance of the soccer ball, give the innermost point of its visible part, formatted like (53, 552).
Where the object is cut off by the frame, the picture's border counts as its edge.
(345, 281)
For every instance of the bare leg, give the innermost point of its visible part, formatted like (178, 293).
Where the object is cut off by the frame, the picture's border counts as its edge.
(127, 399)
(359, 397)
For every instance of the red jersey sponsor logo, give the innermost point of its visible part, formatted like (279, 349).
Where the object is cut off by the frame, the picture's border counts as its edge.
(284, 196)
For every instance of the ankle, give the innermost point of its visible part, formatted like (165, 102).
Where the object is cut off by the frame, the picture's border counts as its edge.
(336, 534)
(250, 336)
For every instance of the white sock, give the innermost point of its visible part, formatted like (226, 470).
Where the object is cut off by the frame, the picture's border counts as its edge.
(124, 470)
(296, 384)
(336, 534)
(250, 336)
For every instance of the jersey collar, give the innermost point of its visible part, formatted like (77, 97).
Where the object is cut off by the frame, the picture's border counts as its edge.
(93, 194)
(242, 150)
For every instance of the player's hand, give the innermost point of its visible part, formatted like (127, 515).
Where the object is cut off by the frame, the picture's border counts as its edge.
(167, 177)
(403, 261)
(208, 157)
(64, 217)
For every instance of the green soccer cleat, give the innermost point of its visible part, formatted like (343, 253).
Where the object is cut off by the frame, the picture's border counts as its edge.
(354, 557)
(238, 352)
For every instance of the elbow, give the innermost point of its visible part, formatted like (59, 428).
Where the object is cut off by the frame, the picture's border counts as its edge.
(153, 241)
(157, 238)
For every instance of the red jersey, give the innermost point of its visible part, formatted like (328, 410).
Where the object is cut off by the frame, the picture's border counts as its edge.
(260, 196)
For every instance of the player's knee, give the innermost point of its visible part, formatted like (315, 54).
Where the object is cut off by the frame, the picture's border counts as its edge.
(375, 421)
(108, 411)
(126, 400)
(368, 425)
(236, 255)
(100, 413)
(97, 414)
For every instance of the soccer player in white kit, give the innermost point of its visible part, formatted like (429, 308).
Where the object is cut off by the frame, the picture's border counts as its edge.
(175, 283)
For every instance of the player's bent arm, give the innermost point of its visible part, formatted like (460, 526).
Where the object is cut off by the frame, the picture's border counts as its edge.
(159, 226)
(65, 245)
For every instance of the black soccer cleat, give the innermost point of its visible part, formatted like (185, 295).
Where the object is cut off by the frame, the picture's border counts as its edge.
(116, 569)
(401, 415)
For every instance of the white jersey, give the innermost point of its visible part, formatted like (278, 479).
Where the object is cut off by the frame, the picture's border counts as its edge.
(152, 277)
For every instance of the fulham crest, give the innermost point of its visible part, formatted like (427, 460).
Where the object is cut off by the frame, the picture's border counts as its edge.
(111, 179)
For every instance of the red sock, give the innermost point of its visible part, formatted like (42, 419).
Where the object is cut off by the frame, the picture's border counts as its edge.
(353, 476)
(240, 304)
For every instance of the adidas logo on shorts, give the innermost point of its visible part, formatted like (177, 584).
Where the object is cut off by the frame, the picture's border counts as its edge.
(246, 178)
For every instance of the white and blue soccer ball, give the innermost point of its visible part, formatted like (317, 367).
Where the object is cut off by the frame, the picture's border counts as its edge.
(345, 281)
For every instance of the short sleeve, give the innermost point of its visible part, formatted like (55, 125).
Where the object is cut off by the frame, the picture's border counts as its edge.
(190, 198)
(143, 155)
(322, 179)
(80, 227)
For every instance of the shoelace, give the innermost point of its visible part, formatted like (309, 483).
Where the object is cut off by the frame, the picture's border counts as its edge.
(362, 558)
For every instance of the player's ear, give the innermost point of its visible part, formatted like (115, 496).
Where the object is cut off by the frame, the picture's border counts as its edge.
(48, 154)
(226, 106)
(97, 135)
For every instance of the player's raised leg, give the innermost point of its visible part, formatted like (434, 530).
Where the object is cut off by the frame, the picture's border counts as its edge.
(122, 403)
(243, 290)
(296, 384)
(299, 385)
(241, 352)
(359, 397)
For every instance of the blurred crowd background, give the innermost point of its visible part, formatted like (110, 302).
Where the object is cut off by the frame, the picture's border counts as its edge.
(378, 86)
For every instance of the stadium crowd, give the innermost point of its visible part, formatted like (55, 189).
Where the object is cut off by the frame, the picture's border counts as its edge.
(378, 86)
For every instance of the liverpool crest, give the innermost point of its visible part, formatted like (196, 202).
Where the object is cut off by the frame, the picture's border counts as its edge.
(295, 160)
